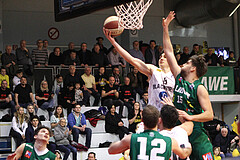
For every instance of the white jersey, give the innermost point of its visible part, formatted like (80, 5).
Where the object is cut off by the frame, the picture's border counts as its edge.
(160, 85)
(179, 134)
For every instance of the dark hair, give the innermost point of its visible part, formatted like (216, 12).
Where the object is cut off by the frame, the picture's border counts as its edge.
(70, 84)
(169, 116)
(34, 117)
(19, 71)
(83, 43)
(99, 38)
(150, 116)
(55, 113)
(200, 64)
(58, 76)
(23, 77)
(92, 153)
(195, 45)
(42, 127)
(57, 48)
(3, 67)
(152, 41)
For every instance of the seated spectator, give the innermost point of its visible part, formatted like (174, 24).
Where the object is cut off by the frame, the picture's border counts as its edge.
(30, 111)
(98, 57)
(100, 43)
(135, 52)
(78, 94)
(118, 77)
(134, 117)
(4, 76)
(136, 81)
(62, 136)
(216, 152)
(9, 61)
(115, 59)
(32, 126)
(89, 81)
(110, 95)
(40, 55)
(24, 57)
(223, 140)
(17, 78)
(144, 101)
(6, 100)
(91, 156)
(152, 54)
(73, 59)
(114, 124)
(71, 48)
(56, 57)
(66, 98)
(127, 94)
(84, 55)
(44, 98)
(101, 79)
(23, 94)
(211, 58)
(19, 126)
(231, 61)
(58, 155)
(57, 86)
(77, 123)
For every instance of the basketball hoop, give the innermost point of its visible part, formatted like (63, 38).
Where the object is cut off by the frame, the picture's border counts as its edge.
(131, 14)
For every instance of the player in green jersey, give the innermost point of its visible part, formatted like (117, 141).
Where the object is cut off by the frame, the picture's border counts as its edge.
(190, 96)
(38, 150)
(150, 144)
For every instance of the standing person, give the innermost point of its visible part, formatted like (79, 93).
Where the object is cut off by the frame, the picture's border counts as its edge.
(150, 144)
(38, 150)
(40, 55)
(190, 95)
(161, 80)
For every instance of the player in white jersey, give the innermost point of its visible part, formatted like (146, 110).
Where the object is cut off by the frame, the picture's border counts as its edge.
(161, 82)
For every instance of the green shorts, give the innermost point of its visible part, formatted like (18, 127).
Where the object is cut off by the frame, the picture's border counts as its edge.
(202, 148)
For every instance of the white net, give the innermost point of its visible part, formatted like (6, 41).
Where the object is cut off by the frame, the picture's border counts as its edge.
(131, 14)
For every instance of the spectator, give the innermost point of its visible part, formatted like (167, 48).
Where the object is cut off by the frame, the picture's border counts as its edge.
(91, 156)
(110, 95)
(100, 43)
(44, 98)
(6, 97)
(152, 54)
(160, 50)
(118, 77)
(71, 48)
(136, 81)
(127, 94)
(32, 126)
(30, 111)
(115, 59)
(222, 62)
(231, 61)
(134, 117)
(45, 46)
(89, 80)
(211, 58)
(185, 55)
(144, 100)
(62, 136)
(135, 52)
(66, 97)
(24, 57)
(58, 155)
(77, 123)
(17, 78)
(4, 76)
(57, 86)
(101, 79)
(178, 58)
(56, 57)
(84, 55)
(19, 126)
(223, 140)
(195, 50)
(23, 94)
(40, 55)
(78, 94)
(114, 124)
(98, 57)
(72, 59)
(9, 61)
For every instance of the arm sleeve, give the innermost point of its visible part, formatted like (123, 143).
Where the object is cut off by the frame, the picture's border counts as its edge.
(15, 127)
(71, 121)
(27, 133)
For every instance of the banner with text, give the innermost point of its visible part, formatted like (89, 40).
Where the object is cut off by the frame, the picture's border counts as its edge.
(219, 80)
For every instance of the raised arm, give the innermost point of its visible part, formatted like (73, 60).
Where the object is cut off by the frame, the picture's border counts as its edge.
(167, 45)
(139, 64)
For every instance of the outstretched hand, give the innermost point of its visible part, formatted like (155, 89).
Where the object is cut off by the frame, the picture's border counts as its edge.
(11, 157)
(170, 17)
(108, 35)
(167, 100)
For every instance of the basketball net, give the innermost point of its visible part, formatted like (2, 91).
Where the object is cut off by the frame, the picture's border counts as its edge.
(131, 14)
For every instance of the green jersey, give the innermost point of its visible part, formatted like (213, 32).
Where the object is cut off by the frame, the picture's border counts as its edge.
(150, 145)
(30, 154)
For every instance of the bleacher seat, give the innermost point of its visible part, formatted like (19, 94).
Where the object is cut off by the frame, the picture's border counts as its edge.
(4, 112)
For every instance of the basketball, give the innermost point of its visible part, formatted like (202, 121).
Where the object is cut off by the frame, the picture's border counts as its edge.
(111, 23)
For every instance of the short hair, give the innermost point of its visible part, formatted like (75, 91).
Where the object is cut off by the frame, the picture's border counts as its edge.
(99, 38)
(56, 48)
(195, 45)
(35, 117)
(83, 43)
(70, 84)
(38, 40)
(42, 127)
(150, 116)
(134, 42)
(23, 77)
(152, 41)
(169, 116)
(3, 68)
(145, 92)
(200, 64)
(58, 76)
(92, 153)
(19, 71)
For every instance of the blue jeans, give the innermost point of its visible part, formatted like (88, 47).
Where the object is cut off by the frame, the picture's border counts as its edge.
(67, 149)
(88, 133)
(48, 105)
